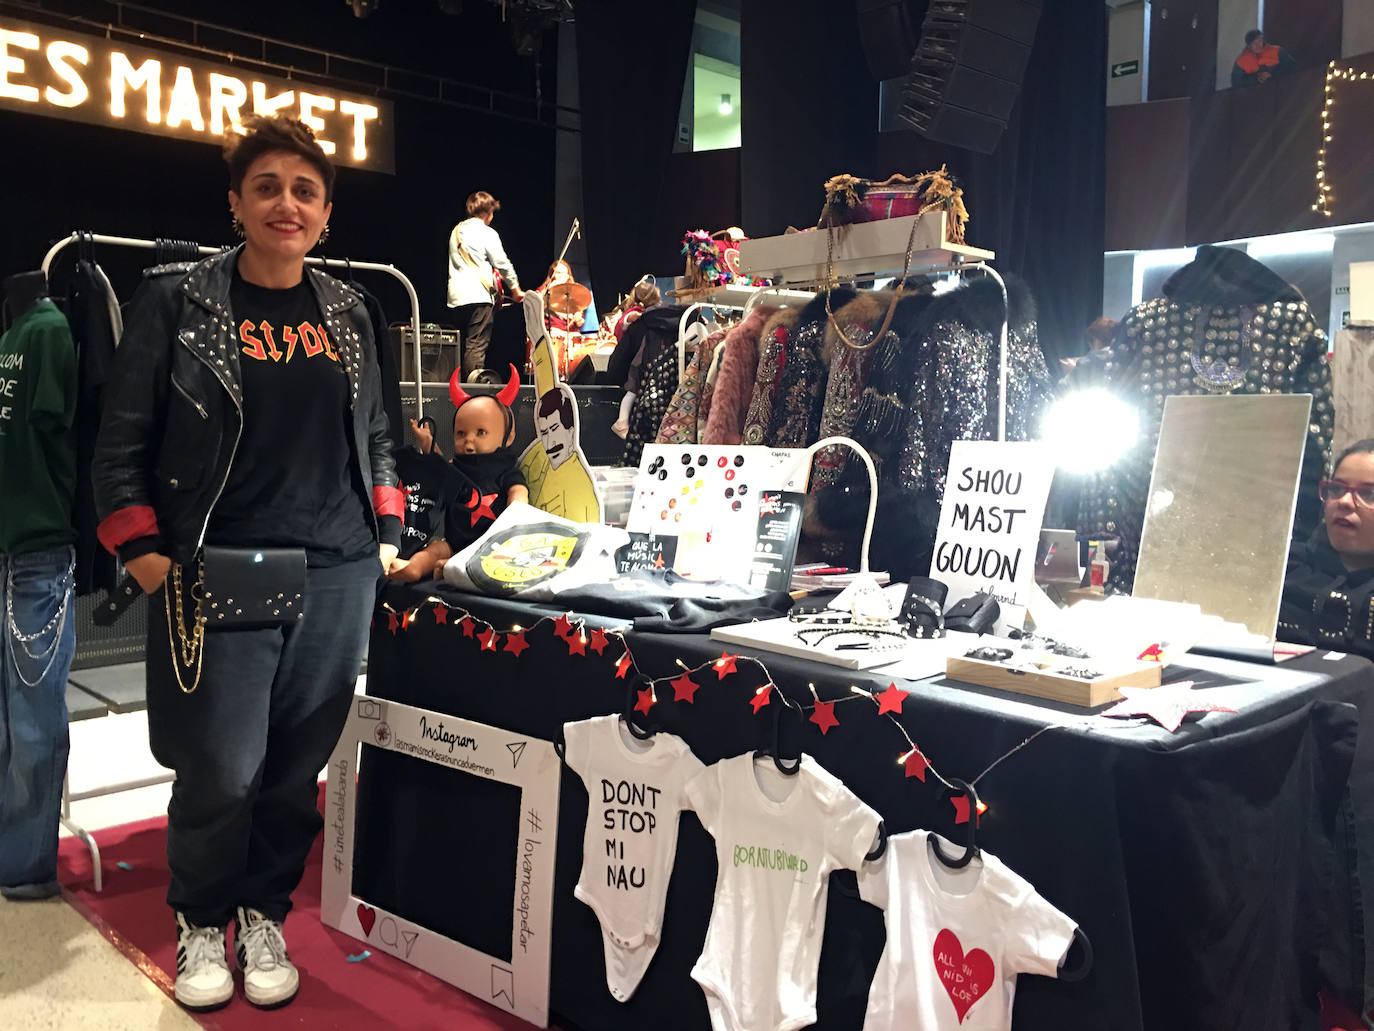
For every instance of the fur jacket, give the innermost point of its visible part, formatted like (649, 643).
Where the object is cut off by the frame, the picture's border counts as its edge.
(735, 381)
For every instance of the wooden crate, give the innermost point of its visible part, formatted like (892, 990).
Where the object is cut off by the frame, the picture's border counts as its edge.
(860, 250)
(1055, 686)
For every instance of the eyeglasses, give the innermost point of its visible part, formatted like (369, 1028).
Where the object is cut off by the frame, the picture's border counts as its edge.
(1334, 490)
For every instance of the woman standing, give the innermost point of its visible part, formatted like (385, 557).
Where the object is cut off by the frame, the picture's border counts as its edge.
(243, 474)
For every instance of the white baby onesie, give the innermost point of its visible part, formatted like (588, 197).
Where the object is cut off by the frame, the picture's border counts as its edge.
(634, 796)
(956, 939)
(778, 837)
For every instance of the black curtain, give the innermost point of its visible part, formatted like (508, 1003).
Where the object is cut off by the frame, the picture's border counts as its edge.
(631, 66)
(810, 110)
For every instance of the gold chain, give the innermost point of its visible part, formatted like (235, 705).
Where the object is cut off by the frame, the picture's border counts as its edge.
(192, 641)
(830, 284)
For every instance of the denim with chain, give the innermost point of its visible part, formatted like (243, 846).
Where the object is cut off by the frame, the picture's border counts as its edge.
(36, 650)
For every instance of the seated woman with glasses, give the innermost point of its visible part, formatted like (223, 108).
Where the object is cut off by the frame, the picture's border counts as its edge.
(1328, 590)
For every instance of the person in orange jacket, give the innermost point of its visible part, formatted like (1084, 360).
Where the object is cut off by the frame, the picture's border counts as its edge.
(1259, 63)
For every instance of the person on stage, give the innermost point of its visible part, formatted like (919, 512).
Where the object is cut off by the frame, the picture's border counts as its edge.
(244, 463)
(560, 273)
(478, 274)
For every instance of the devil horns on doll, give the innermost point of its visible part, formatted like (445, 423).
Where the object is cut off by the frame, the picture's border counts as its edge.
(461, 396)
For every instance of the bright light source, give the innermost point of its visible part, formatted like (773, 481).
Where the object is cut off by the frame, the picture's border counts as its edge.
(725, 106)
(1294, 244)
(1089, 430)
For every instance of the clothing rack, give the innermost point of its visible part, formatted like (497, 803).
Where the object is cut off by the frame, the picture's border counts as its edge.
(324, 263)
(793, 292)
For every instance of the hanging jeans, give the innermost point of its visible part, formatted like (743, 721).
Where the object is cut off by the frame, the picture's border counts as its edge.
(36, 651)
(248, 744)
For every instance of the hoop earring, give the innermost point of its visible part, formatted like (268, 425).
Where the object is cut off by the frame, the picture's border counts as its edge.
(237, 225)
(324, 235)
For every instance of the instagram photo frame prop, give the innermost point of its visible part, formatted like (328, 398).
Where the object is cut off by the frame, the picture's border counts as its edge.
(520, 985)
(556, 471)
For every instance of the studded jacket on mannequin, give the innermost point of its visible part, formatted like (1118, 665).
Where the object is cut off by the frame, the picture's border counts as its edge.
(1225, 325)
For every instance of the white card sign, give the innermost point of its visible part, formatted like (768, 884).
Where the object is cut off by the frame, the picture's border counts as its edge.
(519, 985)
(995, 494)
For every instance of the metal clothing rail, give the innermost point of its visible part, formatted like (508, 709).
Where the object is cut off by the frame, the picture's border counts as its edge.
(325, 263)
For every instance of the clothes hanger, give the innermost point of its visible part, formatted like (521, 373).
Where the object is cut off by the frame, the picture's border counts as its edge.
(1072, 975)
(630, 715)
(959, 787)
(773, 751)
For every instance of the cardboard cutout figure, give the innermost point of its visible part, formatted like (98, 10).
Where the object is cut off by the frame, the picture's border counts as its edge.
(558, 474)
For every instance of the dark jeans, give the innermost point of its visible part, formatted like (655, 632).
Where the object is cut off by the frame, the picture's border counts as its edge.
(36, 650)
(474, 323)
(248, 744)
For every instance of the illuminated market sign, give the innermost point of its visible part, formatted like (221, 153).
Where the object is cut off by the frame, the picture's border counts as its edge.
(104, 82)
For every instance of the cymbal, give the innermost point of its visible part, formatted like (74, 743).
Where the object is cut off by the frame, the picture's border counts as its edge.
(567, 298)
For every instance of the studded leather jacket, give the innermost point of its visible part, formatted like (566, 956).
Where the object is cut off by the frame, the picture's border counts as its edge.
(173, 410)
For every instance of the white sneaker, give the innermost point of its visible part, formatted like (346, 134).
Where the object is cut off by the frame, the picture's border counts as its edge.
(203, 978)
(269, 978)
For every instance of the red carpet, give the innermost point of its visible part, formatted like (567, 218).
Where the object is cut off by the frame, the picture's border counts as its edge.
(378, 992)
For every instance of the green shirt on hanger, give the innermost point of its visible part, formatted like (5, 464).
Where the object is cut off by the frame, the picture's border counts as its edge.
(37, 441)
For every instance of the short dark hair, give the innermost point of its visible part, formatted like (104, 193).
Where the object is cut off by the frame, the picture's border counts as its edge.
(1102, 330)
(482, 203)
(556, 401)
(1253, 35)
(1360, 447)
(267, 133)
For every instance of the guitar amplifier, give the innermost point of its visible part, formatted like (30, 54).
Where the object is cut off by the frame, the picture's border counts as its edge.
(441, 351)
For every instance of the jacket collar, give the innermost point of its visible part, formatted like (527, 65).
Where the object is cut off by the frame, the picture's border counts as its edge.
(208, 282)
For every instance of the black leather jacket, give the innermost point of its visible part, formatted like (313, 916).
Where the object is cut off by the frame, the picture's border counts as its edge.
(173, 409)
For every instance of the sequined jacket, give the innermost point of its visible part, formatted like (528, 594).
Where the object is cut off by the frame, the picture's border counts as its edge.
(1226, 325)
(174, 407)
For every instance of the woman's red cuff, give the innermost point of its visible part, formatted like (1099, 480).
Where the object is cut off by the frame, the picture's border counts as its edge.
(126, 524)
(389, 501)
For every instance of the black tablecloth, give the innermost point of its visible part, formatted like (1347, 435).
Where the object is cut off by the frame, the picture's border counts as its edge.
(1201, 864)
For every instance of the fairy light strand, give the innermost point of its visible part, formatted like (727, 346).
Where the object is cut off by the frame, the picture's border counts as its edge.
(1334, 73)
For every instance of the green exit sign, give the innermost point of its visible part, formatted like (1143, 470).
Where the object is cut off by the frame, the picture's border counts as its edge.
(1124, 68)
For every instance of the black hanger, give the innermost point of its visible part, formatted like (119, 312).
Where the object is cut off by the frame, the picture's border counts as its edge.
(881, 846)
(773, 751)
(638, 723)
(1074, 974)
(959, 787)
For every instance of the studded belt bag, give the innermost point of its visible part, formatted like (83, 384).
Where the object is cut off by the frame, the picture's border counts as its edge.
(253, 587)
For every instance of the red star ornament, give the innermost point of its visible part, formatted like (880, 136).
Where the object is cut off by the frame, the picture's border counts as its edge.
(599, 640)
(516, 643)
(916, 765)
(891, 700)
(685, 689)
(960, 803)
(725, 665)
(577, 644)
(481, 506)
(761, 697)
(1166, 705)
(392, 623)
(646, 701)
(440, 615)
(488, 639)
(824, 716)
(622, 666)
(562, 626)
(468, 626)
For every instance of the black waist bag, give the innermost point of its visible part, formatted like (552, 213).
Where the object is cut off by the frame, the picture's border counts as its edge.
(247, 588)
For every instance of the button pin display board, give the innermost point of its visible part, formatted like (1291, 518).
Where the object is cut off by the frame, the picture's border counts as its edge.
(705, 498)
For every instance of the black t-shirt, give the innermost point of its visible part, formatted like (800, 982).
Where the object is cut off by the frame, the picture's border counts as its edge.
(478, 494)
(428, 484)
(294, 481)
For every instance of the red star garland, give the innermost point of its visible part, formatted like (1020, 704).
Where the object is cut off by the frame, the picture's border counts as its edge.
(824, 716)
(646, 701)
(577, 644)
(890, 700)
(623, 665)
(761, 697)
(481, 506)
(685, 689)
(961, 810)
(725, 665)
(562, 626)
(392, 623)
(440, 615)
(599, 640)
(516, 643)
(468, 625)
(1165, 705)
(916, 765)
(488, 639)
